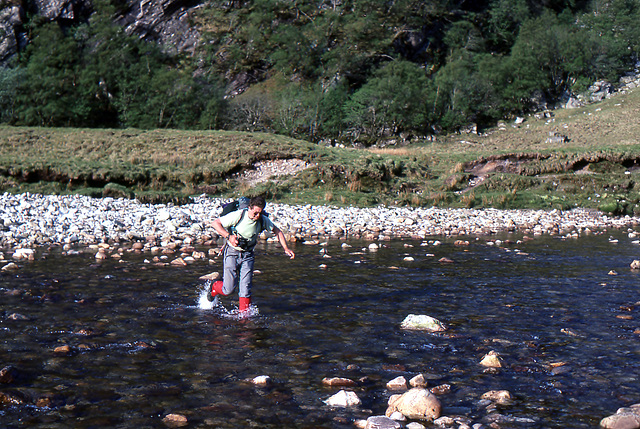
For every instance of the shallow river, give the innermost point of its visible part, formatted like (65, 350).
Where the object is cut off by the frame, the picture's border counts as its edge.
(141, 346)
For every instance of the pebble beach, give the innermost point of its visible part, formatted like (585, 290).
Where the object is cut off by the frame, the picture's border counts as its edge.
(33, 220)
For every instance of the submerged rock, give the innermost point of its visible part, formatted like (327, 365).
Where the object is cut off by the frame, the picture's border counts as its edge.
(338, 381)
(175, 420)
(498, 396)
(8, 374)
(382, 422)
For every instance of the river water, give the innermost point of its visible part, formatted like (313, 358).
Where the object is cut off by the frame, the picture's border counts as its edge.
(141, 346)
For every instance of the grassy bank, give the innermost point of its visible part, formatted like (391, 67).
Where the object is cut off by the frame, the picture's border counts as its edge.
(592, 161)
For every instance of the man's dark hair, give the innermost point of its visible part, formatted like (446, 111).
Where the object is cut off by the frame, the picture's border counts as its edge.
(258, 202)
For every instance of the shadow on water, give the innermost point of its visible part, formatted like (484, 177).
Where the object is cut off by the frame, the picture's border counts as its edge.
(139, 347)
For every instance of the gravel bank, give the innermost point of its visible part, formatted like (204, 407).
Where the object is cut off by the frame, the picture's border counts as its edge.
(31, 220)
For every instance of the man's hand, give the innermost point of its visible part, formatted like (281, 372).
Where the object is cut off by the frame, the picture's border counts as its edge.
(290, 253)
(233, 240)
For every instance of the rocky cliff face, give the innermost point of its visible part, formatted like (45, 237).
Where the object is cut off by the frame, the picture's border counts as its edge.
(166, 22)
(11, 34)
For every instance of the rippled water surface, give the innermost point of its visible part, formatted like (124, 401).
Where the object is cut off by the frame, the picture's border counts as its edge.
(142, 348)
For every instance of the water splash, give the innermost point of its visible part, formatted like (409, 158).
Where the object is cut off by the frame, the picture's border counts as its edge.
(234, 313)
(203, 301)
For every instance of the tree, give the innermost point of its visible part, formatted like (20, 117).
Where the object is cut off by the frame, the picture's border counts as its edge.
(505, 19)
(49, 94)
(393, 100)
(464, 95)
(10, 78)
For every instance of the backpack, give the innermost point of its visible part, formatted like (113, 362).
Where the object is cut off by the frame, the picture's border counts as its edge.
(239, 204)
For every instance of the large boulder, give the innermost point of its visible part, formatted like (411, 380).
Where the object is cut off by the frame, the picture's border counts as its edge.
(624, 418)
(415, 404)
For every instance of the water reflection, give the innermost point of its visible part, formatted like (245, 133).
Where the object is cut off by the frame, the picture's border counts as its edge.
(140, 347)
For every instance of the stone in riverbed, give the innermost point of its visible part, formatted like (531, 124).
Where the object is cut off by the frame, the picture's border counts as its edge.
(418, 381)
(344, 399)
(102, 254)
(502, 397)
(422, 322)
(28, 254)
(211, 276)
(491, 360)
(338, 381)
(624, 418)
(441, 389)
(381, 422)
(62, 350)
(11, 266)
(8, 374)
(398, 383)
(415, 404)
(175, 420)
(261, 380)
(18, 316)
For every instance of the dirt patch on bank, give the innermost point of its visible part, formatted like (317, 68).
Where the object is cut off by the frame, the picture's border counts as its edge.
(510, 163)
(267, 170)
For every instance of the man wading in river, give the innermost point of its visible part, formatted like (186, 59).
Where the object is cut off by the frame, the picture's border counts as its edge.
(241, 228)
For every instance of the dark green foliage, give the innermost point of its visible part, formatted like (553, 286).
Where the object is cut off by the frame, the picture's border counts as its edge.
(47, 96)
(395, 99)
(349, 71)
(96, 75)
(9, 80)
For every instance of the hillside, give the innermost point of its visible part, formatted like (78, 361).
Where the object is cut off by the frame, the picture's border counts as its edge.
(353, 73)
(591, 162)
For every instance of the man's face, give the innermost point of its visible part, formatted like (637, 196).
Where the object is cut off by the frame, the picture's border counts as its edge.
(254, 212)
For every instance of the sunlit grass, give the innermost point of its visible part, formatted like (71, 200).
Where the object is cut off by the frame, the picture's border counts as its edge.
(597, 166)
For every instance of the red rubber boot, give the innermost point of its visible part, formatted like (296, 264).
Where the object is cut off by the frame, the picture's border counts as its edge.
(245, 303)
(216, 288)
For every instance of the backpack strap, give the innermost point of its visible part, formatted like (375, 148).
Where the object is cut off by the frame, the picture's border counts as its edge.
(233, 227)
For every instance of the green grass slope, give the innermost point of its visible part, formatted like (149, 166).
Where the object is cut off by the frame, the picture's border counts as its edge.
(593, 161)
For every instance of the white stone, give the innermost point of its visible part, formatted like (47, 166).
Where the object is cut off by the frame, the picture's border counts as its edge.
(163, 216)
(423, 323)
(398, 383)
(261, 380)
(24, 254)
(343, 398)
